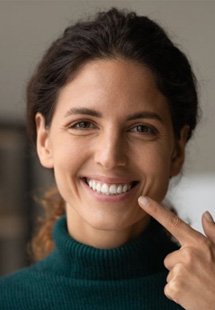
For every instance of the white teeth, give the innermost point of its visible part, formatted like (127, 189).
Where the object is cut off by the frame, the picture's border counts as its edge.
(125, 188)
(119, 189)
(106, 189)
(113, 189)
(98, 187)
(94, 185)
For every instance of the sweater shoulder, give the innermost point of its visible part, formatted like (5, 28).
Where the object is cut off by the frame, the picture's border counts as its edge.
(22, 285)
(21, 277)
(17, 276)
(18, 279)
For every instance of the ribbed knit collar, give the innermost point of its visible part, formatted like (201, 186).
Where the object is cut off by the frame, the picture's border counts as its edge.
(137, 258)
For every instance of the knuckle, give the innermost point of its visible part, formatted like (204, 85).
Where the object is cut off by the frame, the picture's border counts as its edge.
(166, 261)
(189, 256)
(169, 277)
(172, 290)
(175, 221)
(204, 242)
(166, 264)
(207, 243)
(167, 291)
(208, 249)
(205, 247)
(179, 270)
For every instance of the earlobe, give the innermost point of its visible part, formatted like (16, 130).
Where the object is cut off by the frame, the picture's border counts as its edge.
(43, 144)
(178, 155)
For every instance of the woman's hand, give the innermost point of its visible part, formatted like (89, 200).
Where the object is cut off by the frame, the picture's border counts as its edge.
(191, 278)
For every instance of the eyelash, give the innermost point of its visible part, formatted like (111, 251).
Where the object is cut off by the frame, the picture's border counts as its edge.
(81, 122)
(149, 130)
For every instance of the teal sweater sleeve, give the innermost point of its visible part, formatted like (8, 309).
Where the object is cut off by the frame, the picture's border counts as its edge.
(79, 277)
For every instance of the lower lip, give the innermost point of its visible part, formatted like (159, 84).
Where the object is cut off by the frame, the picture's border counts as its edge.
(110, 198)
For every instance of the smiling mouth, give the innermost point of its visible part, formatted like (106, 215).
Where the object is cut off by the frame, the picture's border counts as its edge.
(109, 189)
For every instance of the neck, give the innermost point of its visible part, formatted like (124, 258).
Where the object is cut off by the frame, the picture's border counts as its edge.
(97, 237)
(139, 257)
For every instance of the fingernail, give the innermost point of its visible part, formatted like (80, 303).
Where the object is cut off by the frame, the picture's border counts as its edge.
(143, 201)
(208, 217)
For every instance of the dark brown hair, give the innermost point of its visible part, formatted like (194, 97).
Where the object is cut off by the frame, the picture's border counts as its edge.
(110, 34)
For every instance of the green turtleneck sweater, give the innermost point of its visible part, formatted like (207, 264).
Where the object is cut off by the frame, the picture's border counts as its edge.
(80, 277)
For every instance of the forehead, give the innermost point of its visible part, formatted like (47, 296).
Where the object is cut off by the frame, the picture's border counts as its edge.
(111, 85)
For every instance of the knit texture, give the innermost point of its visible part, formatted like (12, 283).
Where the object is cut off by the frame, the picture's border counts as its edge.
(76, 276)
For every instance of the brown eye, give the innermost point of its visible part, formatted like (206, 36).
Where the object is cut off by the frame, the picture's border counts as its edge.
(144, 129)
(82, 125)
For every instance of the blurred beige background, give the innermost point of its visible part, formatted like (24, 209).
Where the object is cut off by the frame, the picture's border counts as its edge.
(28, 27)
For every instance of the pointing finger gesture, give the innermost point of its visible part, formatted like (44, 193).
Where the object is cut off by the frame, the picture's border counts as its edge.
(191, 277)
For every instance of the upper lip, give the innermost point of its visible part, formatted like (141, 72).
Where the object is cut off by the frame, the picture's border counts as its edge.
(110, 180)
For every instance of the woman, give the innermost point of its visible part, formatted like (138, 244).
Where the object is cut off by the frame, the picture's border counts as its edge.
(110, 108)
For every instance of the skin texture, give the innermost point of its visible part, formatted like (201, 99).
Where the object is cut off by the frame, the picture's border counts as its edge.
(110, 146)
(191, 278)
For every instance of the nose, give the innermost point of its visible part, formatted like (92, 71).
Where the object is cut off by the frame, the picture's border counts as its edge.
(111, 151)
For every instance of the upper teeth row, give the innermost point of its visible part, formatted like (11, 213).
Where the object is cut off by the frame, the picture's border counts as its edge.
(108, 189)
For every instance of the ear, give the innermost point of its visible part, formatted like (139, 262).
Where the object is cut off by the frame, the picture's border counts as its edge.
(179, 152)
(43, 144)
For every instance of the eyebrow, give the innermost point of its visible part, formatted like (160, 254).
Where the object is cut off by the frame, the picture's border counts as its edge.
(145, 114)
(91, 112)
(85, 111)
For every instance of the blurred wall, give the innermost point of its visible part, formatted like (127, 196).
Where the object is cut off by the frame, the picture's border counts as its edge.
(28, 27)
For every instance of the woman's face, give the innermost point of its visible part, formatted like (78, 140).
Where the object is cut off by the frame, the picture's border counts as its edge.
(111, 131)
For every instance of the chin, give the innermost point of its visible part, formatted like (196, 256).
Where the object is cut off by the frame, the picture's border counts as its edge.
(114, 222)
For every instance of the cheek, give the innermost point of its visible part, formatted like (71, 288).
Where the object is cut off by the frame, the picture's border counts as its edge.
(68, 158)
(68, 154)
(154, 165)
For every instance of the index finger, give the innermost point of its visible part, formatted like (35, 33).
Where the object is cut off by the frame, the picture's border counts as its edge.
(184, 233)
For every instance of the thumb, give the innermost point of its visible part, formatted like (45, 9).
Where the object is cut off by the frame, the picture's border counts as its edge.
(208, 226)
